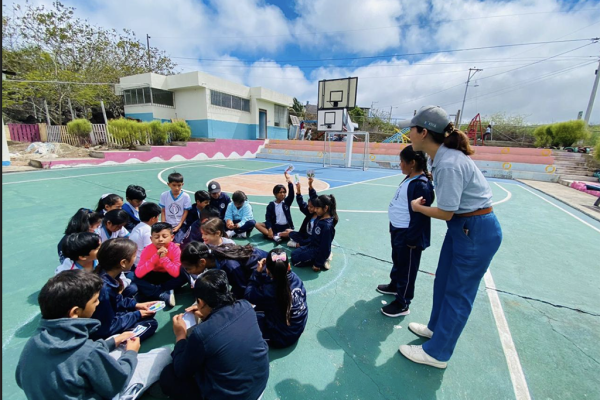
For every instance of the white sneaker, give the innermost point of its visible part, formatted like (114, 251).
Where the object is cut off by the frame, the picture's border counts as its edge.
(418, 355)
(420, 330)
(242, 235)
(230, 234)
(291, 243)
(171, 298)
(327, 265)
(330, 256)
(277, 238)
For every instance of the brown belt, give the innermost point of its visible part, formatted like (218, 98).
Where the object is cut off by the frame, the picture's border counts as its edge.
(483, 211)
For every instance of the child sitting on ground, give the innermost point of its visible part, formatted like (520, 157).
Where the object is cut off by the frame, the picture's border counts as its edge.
(84, 220)
(194, 258)
(115, 312)
(149, 214)
(175, 204)
(302, 237)
(318, 253)
(194, 234)
(280, 300)
(238, 217)
(278, 216)
(80, 251)
(159, 271)
(202, 200)
(135, 196)
(113, 225)
(218, 200)
(60, 361)
(212, 232)
(108, 202)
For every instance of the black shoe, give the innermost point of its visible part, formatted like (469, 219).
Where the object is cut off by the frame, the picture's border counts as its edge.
(395, 309)
(385, 289)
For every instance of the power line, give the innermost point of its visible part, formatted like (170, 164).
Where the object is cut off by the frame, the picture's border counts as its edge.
(60, 82)
(372, 29)
(400, 54)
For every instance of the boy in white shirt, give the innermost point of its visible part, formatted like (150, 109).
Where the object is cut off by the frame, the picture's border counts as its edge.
(141, 234)
(175, 204)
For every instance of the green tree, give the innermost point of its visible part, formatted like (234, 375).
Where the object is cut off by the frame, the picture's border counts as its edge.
(357, 115)
(52, 44)
(298, 108)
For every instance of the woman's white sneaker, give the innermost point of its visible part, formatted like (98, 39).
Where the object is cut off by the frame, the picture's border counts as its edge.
(420, 330)
(418, 355)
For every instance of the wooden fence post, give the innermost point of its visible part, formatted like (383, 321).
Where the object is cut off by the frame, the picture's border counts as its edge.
(47, 114)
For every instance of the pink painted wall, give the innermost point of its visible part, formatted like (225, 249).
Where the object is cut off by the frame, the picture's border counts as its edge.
(224, 146)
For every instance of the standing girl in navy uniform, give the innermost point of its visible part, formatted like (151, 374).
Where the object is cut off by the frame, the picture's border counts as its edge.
(410, 231)
(318, 253)
(280, 300)
(464, 201)
(278, 218)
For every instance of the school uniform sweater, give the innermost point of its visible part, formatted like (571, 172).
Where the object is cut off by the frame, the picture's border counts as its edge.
(321, 238)
(134, 216)
(115, 312)
(243, 214)
(238, 273)
(261, 292)
(220, 204)
(419, 230)
(151, 262)
(60, 362)
(303, 205)
(225, 354)
(271, 217)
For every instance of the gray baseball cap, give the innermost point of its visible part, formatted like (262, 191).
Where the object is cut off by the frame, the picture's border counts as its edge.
(433, 118)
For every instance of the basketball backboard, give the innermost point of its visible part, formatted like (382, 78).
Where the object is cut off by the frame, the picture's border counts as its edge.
(337, 93)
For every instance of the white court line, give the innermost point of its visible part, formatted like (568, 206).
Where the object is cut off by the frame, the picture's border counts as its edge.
(517, 377)
(12, 332)
(104, 173)
(515, 370)
(338, 276)
(561, 209)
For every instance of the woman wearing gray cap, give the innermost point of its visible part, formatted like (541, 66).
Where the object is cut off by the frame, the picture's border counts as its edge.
(464, 201)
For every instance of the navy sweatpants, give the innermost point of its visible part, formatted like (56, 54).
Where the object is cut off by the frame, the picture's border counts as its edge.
(155, 283)
(406, 266)
(247, 227)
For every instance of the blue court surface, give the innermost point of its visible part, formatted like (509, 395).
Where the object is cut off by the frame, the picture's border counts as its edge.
(533, 333)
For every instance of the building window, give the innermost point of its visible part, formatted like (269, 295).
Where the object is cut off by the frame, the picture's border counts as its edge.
(229, 101)
(142, 96)
(281, 116)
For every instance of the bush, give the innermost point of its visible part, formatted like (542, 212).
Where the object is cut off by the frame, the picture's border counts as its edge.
(178, 131)
(80, 127)
(597, 150)
(561, 134)
(124, 130)
(158, 134)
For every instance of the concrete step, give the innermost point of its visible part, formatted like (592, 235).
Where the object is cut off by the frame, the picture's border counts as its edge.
(573, 171)
(578, 178)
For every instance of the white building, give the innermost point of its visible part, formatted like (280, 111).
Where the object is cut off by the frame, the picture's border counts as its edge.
(213, 107)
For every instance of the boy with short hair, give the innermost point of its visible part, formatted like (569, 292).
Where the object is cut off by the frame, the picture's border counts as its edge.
(149, 214)
(175, 204)
(134, 196)
(239, 218)
(60, 361)
(202, 200)
(80, 251)
(218, 199)
(159, 271)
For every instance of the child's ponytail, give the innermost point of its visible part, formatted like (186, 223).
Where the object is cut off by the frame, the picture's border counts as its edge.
(329, 201)
(408, 155)
(193, 252)
(232, 252)
(278, 266)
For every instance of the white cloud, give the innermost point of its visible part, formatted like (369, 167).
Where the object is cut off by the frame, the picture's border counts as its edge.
(190, 28)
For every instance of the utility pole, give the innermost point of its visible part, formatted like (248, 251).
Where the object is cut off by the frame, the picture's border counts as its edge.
(148, 43)
(462, 108)
(371, 109)
(390, 119)
(588, 112)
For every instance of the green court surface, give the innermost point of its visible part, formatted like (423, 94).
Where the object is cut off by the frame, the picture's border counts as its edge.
(536, 335)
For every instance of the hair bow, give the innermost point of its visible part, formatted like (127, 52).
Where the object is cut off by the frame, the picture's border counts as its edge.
(279, 257)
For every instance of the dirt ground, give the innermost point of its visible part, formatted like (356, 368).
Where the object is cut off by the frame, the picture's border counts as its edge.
(55, 151)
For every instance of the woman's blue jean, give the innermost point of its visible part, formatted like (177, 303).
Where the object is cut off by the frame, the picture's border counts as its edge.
(468, 249)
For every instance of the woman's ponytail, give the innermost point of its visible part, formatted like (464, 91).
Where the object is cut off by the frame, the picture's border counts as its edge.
(456, 139)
